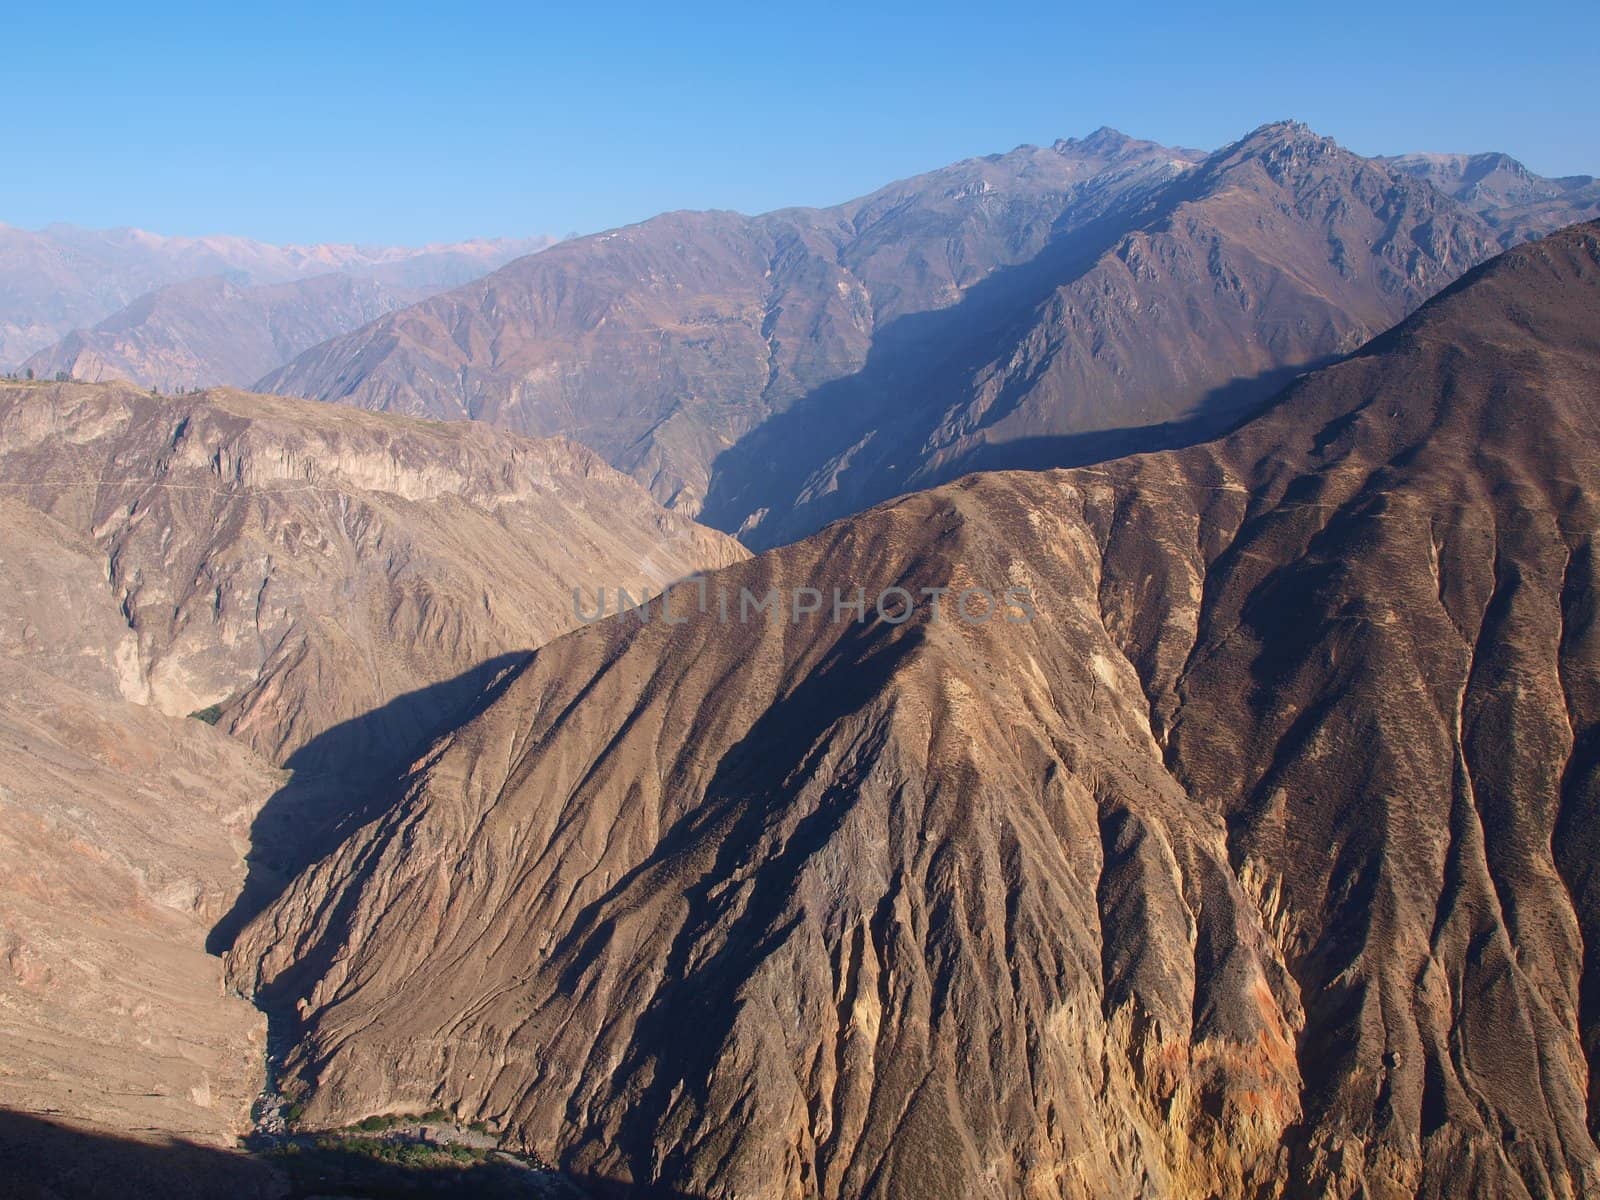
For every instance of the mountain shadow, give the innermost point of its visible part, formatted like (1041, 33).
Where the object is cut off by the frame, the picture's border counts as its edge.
(343, 778)
(906, 378)
(41, 1159)
(1223, 410)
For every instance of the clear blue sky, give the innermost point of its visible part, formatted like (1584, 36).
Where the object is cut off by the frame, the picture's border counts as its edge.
(403, 123)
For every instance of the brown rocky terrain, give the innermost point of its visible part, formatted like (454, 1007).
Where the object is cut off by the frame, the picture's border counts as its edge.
(325, 585)
(62, 278)
(1258, 863)
(1046, 307)
(300, 566)
(122, 838)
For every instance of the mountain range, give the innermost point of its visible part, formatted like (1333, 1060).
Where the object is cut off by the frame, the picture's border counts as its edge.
(62, 280)
(1044, 307)
(1114, 708)
(1516, 202)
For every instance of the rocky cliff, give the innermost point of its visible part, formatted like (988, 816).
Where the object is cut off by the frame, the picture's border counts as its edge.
(299, 566)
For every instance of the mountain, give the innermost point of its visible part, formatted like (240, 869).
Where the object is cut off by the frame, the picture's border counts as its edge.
(1046, 307)
(206, 332)
(60, 279)
(1275, 254)
(1258, 862)
(1518, 204)
(326, 586)
(662, 344)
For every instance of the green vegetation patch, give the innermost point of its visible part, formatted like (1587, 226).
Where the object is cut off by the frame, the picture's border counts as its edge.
(373, 1168)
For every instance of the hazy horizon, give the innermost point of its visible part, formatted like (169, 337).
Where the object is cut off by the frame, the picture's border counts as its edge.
(320, 126)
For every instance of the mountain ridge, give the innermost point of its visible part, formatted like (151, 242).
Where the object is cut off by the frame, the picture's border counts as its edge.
(769, 373)
(62, 277)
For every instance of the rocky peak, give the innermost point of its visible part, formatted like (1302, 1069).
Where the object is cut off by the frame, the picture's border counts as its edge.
(1284, 148)
(1107, 147)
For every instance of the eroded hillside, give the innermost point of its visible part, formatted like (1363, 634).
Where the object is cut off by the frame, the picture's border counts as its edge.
(1258, 863)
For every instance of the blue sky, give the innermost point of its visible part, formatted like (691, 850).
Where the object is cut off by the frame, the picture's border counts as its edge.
(406, 123)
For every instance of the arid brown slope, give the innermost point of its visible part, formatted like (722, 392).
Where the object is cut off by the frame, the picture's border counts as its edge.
(301, 566)
(1260, 863)
(122, 836)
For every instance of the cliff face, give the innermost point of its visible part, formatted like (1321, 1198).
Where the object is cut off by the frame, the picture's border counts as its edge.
(1260, 862)
(301, 566)
(122, 834)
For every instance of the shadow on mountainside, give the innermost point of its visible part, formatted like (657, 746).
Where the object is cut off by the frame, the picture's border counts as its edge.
(768, 467)
(44, 1159)
(343, 778)
(916, 368)
(1223, 410)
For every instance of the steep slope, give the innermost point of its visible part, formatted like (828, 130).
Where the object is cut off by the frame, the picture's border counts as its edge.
(1259, 862)
(1518, 204)
(1278, 252)
(61, 278)
(212, 331)
(122, 834)
(663, 343)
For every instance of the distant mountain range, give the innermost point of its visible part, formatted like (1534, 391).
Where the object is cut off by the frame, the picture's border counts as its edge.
(1517, 203)
(1037, 308)
(61, 279)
